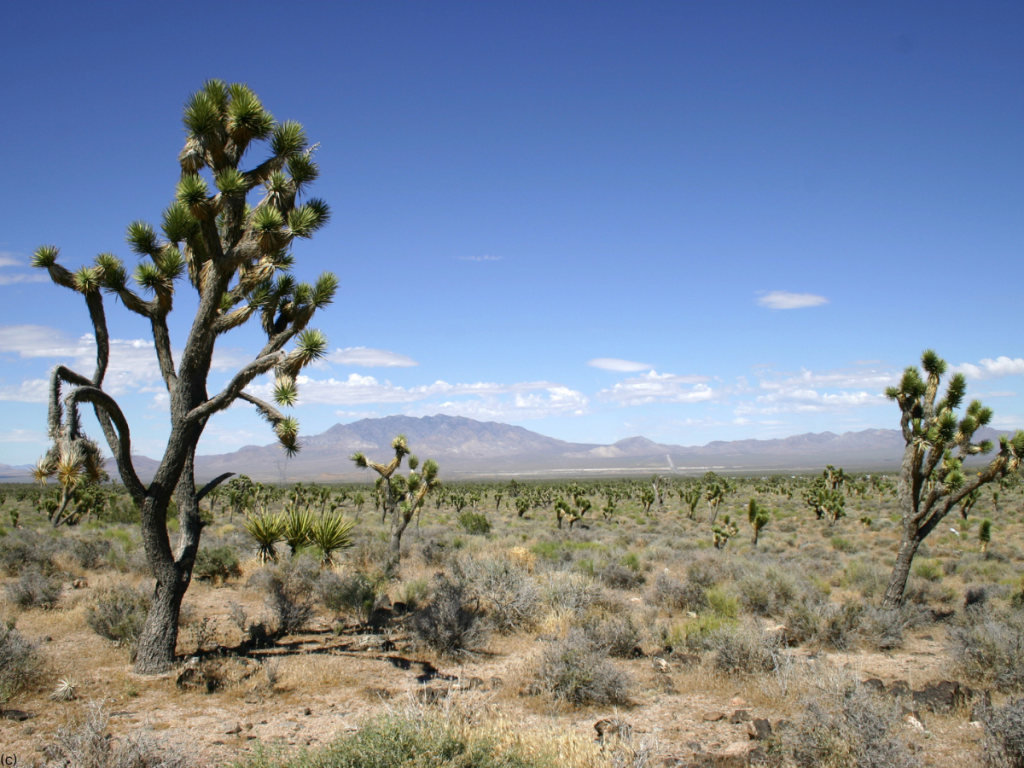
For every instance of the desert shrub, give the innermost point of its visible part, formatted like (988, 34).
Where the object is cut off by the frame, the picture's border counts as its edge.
(928, 569)
(698, 635)
(802, 622)
(744, 649)
(840, 625)
(414, 593)
(20, 662)
(353, 593)
(869, 578)
(87, 743)
(1004, 735)
(619, 576)
(843, 727)
(613, 629)
(576, 670)
(767, 594)
(570, 593)
(679, 595)
(25, 548)
(923, 592)
(474, 522)
(989, 648)
(511, 596)
(448, 623)
(34, 590)
(290, 607)
(415, 740)
(704, 572)
(118, 615)
(89, 552)
(216, 564)
(883, 628)
(722, 603)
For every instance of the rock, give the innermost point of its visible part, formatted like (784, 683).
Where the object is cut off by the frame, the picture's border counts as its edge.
(906, 712)
(712, 717)
(235, 729)
(79, 584)
(913, 722)
(660, 665)
(943, 696)
(736, 701)
(496, 683)
(15, 714)
(874, 685)
(612, 727)
(759, 729)
(307, 712)
(899, 688)
(740, 716)
(739, 754)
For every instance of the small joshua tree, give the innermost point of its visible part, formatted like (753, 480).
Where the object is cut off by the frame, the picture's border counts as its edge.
(985, 534)
(691, 497)
(932, 480)
(236, 253)
(758, 517)
(723, 531)
(401, 497)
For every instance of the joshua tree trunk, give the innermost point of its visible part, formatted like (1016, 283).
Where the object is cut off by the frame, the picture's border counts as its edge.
(901, 571)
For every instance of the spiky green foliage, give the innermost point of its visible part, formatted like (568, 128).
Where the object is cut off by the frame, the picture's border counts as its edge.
(758, 517)
(723, 531)
(267, 530)
(932, 478)
(331, 533)
(985, 534)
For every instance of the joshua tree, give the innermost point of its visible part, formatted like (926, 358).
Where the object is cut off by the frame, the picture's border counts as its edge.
(758, 517)
(722, 533)
(236, 254)
(401, 497)
(985, 534)
(968, 503)
(714, 494)
(932, 480)
(691, 498)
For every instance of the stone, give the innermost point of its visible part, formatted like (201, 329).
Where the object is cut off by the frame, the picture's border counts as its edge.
(943, 696)
(736, 701)
(233, 730)
(899, 688)
(759, 729)
(307, 711)
(496, 683)
(739, 754)
(740, 716)
(712, 717)
(874, 685)
(15, 714)
(612, 727)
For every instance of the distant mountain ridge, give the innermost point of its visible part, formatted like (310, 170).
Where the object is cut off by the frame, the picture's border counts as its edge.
(468, 448)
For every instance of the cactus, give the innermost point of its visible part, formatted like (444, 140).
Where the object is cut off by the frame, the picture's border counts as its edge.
(758, 517)
(723, 532)
(985, 534)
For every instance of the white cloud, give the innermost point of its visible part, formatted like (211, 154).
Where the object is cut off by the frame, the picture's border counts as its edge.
(10, 259)
(485, 257)
(615, 364)
(132, 362)
(786, 300)
(835, 391)
(22, 436)
(365, 357)
(991, 369)
(30, 391)
(362, 390)
(555, 401)
(654, 387)
(28, 277)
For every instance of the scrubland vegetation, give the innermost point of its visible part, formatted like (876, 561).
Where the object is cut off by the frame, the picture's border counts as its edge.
(503, 632)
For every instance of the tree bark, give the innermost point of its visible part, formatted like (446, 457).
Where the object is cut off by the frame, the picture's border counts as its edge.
(893, 597)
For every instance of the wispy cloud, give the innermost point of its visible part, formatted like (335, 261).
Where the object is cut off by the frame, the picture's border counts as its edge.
(30, 391)
(364, 357)
(991, 369)
(786, 300)
(615, 364)
(485, 257)
(554, 401)
(132, 364)
(22, 436)
(834, 391)
(11, 259)
(654, 387)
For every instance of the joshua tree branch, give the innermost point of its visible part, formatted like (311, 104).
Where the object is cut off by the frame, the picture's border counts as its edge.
(162, 342)
(211, 485)
(231, 392)
(122, 446)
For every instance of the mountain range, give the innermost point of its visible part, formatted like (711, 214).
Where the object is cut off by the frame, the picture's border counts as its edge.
(466, 449)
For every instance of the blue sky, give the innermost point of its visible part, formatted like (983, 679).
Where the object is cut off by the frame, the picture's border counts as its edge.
(691, 221)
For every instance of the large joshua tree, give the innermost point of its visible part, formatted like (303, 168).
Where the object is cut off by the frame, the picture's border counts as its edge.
(401, 497)
(932, 479)
(237, 257)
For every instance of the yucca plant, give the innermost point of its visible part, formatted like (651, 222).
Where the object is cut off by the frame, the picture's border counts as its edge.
(758, 517)
(298, 523)
(332, 532)
(267, 529)
(231, 242)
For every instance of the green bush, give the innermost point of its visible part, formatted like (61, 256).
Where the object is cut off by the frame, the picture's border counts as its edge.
(119, 615)
(474, 523)
(576, 670)
(929, 570)
(353, 593)
(412, 740)
(721, 603)
(215, 564)
(20, 662)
